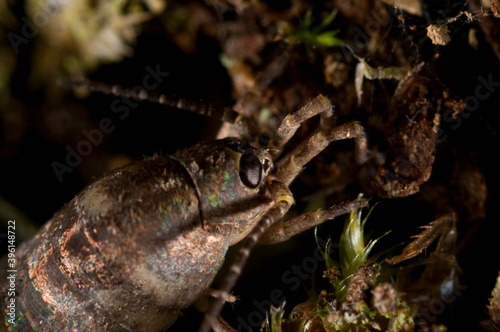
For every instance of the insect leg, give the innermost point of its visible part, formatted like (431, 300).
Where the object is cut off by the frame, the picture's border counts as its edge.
(290, 124)
(220, 325)
(283, 230)
(203, 305)
(317, 143)
(284, 200)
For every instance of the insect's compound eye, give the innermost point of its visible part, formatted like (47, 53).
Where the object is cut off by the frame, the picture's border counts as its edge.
(250, 170)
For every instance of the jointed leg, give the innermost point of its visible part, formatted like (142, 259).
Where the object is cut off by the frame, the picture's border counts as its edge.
(203, 305)
(220, 325)
(317, 143)
(290, 124)
(284, 200)
(283, 230)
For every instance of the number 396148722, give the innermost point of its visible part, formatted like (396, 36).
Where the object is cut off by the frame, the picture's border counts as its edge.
(144, 241)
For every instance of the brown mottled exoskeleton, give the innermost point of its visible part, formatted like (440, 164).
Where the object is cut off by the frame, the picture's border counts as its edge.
(144, 241)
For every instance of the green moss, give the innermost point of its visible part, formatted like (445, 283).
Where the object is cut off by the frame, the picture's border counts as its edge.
(315, 35)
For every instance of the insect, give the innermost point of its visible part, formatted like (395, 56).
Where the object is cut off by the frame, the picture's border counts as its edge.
(144, 241)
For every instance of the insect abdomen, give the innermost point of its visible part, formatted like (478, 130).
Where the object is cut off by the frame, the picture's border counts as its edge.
(127, 254)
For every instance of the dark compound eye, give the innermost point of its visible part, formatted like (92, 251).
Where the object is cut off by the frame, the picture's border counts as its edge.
(250, 170)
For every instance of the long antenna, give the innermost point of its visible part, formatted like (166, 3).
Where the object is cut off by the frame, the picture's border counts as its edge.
(224, 113)
(242, 122)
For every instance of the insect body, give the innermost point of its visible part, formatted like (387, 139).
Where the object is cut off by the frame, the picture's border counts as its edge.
(144, 241)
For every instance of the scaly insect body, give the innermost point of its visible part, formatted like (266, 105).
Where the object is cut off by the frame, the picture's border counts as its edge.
(139, 244)
(144, 241)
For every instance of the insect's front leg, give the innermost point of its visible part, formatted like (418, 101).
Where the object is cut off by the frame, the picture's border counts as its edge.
(317, 143)
(319, 105)
(285, 229)
(219, 324)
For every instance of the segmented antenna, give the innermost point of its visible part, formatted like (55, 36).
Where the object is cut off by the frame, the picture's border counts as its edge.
(223, 113)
